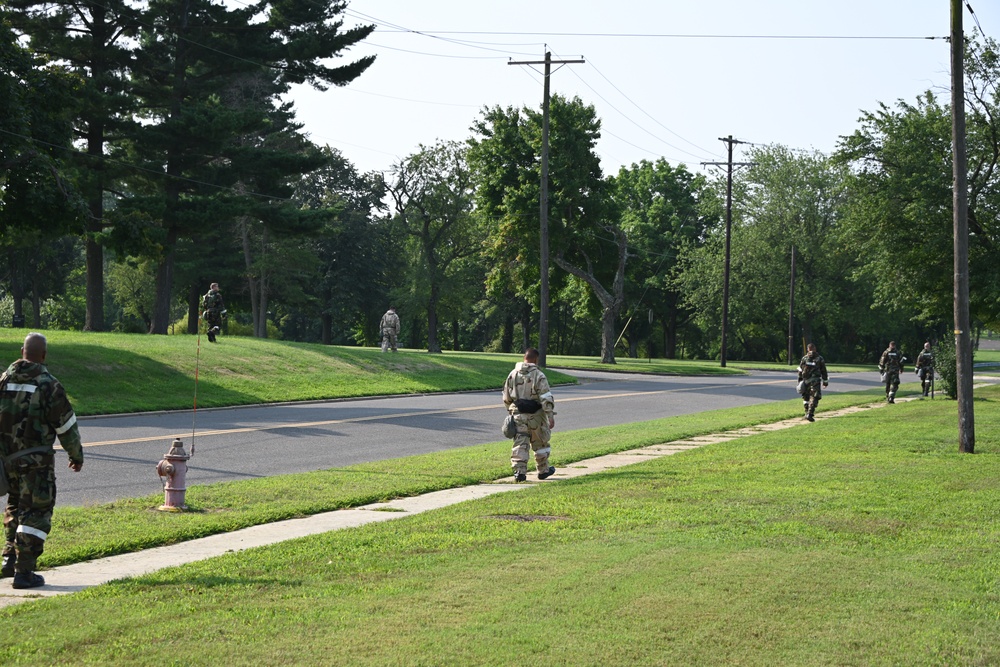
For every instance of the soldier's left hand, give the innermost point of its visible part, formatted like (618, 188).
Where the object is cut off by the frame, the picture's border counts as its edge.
(75, 467)
(826, 384)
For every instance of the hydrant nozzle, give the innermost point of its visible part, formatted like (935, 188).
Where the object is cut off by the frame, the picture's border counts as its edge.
(173, 470)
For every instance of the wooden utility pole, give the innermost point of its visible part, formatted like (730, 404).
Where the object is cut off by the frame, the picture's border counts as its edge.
(543, 205)
(791, 311)
(960, 197)
(729, 164)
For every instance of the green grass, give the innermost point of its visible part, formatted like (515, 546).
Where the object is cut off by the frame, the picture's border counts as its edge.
(861, 540)
(116, 373)
(84, 533)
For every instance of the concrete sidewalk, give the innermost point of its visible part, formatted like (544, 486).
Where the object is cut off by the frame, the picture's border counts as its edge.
(76, 577)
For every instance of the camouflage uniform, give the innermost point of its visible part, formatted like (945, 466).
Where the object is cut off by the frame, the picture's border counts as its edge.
(390, 329)
(812, 372)
(925, 369)
(528, 382)
(212, 301)
(891, 365)
(34, 410)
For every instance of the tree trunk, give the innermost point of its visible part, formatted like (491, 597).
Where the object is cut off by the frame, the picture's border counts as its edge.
(164, 284)
(36, 302)
(670, 335)
(526, 327)
(507, 336)
(194, 308)
(611, 302)
(454, 335)
(326, 328)
(433, 345)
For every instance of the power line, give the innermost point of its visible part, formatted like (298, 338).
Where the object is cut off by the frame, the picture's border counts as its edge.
(591, 63)
(434, 33)
(626, 117)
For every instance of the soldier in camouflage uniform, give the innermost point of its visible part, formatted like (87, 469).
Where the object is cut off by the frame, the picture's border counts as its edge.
(212, 301)
(527, 395)
(891, 365)
(34, 411)
(925, 368)
(812, 372)
(390, 329)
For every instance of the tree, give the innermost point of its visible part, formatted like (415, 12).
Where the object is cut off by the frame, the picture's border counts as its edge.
(657, 206)
(353, 249)
(900, 215)
(191, 51)
(432, 195)
(38, 202)
(786, 199)
(504, 156)
(94, 40)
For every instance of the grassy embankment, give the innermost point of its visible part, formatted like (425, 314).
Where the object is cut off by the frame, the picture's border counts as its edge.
(112, 373)
(865, 539)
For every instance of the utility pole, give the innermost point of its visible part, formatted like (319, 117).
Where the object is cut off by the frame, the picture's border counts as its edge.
(791, 311)
(543, 205)
(729, 164)
(960, 196)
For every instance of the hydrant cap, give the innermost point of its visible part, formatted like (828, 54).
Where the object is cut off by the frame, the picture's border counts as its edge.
(177, 451)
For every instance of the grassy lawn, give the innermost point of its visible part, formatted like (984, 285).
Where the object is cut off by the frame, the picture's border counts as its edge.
(865, 539)
(114, 373)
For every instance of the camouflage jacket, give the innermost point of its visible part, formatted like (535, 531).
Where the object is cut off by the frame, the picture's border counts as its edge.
(812, 369)
(925, 359)
(529, 382)
(390, 321)
(34, 410)
(892, 360)
(213, 300)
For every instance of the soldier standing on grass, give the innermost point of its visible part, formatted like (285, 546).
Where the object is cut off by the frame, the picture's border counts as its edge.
(925, 368)
(213, 311)
(891, 366)
(812, 371)
(527, 395)
(390, 329)
(34, 411)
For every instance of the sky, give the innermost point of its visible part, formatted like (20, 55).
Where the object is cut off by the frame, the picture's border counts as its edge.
(667, 78)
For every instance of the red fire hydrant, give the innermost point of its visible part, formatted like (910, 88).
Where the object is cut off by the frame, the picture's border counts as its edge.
(173, 469)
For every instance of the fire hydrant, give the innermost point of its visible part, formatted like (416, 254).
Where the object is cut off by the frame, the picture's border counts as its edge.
(173, 468)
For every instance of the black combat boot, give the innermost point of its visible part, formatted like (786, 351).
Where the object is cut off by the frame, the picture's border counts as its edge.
(27, 580)
(8, 565)
(548, 473)
(520, 477)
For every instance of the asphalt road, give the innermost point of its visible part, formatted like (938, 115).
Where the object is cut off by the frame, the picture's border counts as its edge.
(121, 452)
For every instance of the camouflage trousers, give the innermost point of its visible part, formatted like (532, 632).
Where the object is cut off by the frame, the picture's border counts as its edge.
(27, 519)
(812, 392)
(388, 340)
(926, 378)
(532, 431)
(891, 382)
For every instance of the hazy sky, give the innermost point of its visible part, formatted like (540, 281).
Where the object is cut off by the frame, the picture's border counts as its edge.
(667, 78)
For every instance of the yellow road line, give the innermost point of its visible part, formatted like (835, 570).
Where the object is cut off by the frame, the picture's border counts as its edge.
(401, 415)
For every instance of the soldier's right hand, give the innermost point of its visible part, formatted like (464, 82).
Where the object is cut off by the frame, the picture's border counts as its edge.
(75, 467)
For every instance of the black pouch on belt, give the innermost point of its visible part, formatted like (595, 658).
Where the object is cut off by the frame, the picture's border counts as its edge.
(527, 406)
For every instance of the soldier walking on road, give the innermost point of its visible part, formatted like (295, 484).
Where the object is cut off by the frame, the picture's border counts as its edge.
(390, 329)
(34, 411)
(812, 372)
(925, 368)
(527, 395)
(214, 308)
(891, 366)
